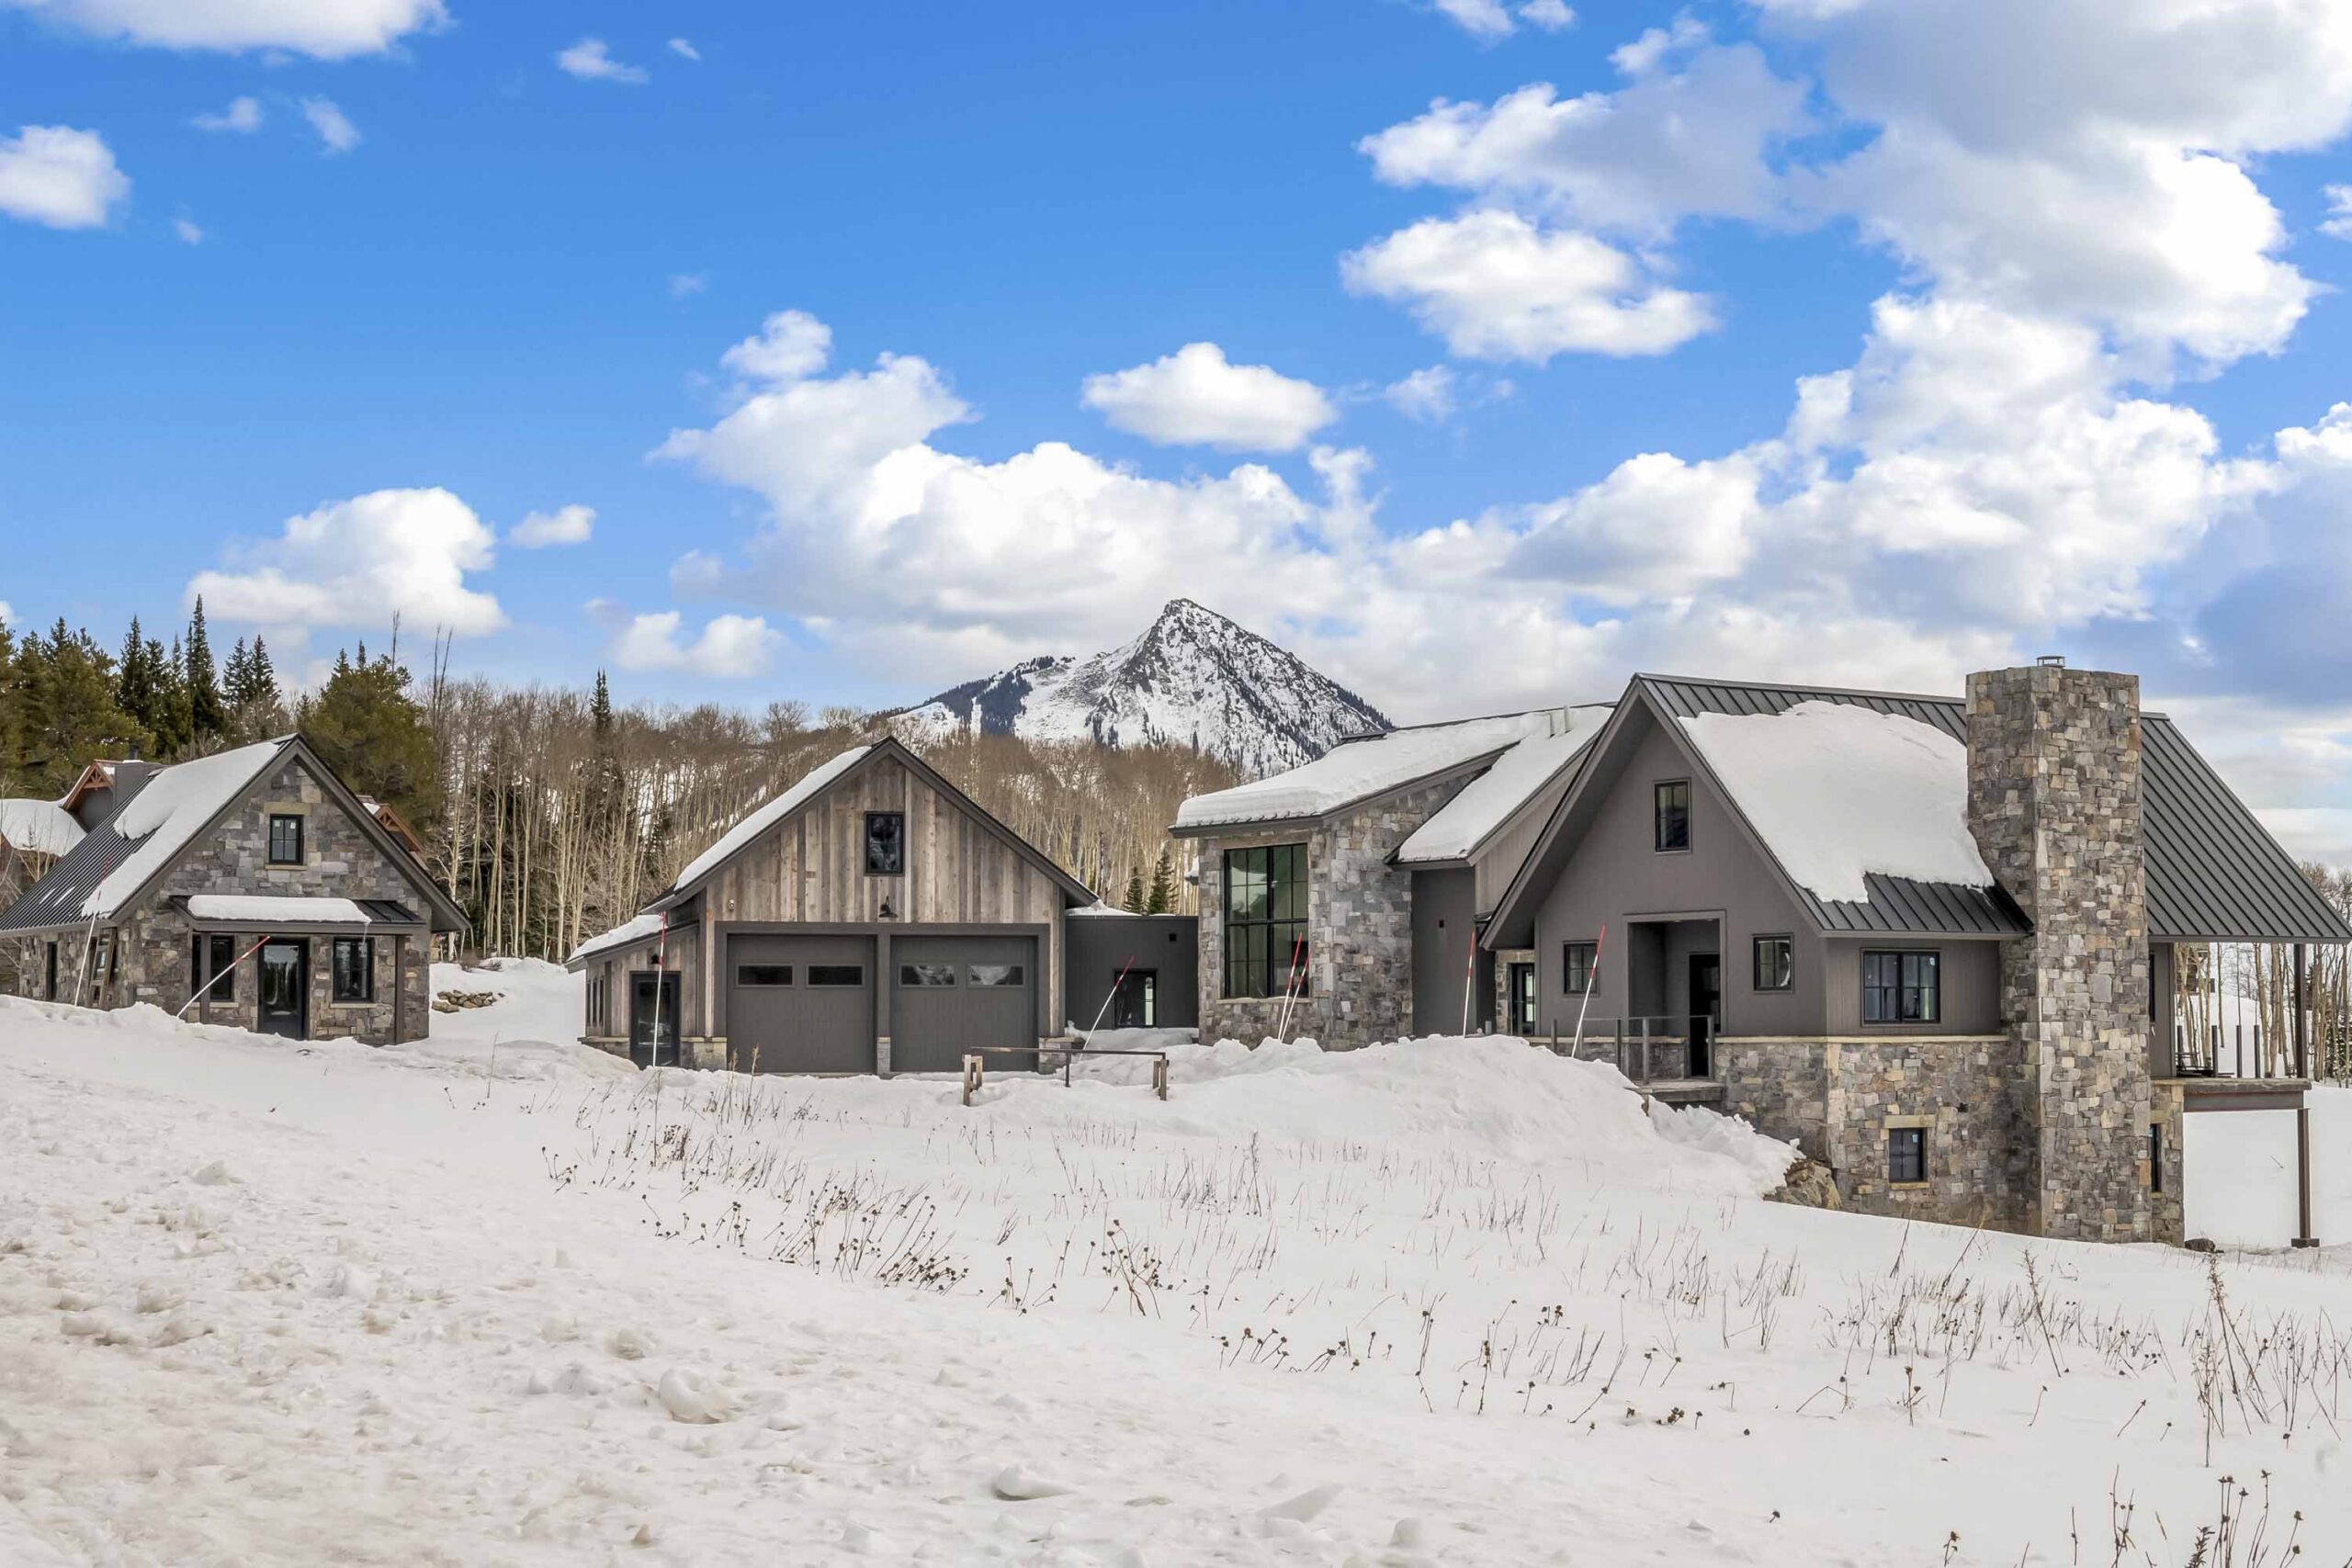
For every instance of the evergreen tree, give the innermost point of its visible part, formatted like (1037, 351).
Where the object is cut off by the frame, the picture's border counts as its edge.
(1132, 902)
(261, 677)
(1162, 897)
(367, 727)
(66, 711)
(174, 725)
(207, 716)
(135, 689)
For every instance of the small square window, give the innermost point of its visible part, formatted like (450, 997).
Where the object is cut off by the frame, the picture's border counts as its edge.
(355, 968)
(886, 843)
(1577, 963)
(286, 840)
(1672, 815)
(1907, 1155)
(1775, 963)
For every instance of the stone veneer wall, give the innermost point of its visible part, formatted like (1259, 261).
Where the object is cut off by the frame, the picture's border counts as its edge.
(2054, 802)
(1836, 1100)
(1358, 929)
(2167, 1198)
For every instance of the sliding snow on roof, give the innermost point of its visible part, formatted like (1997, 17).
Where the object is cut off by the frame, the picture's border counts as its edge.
(1361, 770)
(767, 816)
(635, 928)
(170, 810)
(1472, 818)
(38, 827)
(1838, 792)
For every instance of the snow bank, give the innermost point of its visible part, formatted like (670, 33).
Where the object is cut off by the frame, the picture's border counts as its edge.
(38, 827)
(1354, 769)
(173, 808)
(1488, 800)
(1838, 792)
(536, 1000)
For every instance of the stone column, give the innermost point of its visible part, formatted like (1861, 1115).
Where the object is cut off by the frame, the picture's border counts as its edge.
(2054, 801)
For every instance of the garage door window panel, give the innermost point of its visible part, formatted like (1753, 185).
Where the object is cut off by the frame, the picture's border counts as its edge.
(927, 975)
(827, 975)
(763, 975)
(993, 974)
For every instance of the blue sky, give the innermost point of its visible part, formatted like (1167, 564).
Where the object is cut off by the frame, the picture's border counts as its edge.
(2059, 294)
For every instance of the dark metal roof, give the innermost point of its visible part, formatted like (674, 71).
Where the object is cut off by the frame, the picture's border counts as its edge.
(2214, 873)
(56, 900)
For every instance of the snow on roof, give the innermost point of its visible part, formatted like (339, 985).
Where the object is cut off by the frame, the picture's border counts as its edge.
(1487, 801)
(39, 827)
(1837, 791)
(171, 810)
(270, 907)
(1358, 770)
(767, 816)
(636, 929)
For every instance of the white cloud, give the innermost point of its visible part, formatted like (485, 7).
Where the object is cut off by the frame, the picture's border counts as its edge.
(1496, 286)
(564, 525)
(8, 614)
(190, 233)
(358, 563)
(1480, 18)
(1427, 396)
(591, 61)
(730, 647)
(696, 574)
(337, 133)
(2338, 225)
(684, 50)
(683, 284)
(243, 116)
(789, 345)
(60, 177)
(1194, 397)
(1552, 16)
(325, 29)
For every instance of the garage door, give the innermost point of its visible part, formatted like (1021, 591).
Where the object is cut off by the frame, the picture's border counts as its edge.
(950, 992)
(800, 1004)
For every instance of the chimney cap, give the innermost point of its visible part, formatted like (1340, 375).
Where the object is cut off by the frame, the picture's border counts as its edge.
(2052, 662)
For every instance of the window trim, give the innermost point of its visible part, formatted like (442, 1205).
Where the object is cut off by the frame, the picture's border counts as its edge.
(900, 868)
(1756, 959)
(302, 848)
(205, 949)
(1657, 816)
(1592, 967)
(335, 992)
(1917, 1135)
(1931, 1013)
(1293, 948)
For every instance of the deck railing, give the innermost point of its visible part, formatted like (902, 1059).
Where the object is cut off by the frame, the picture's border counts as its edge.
(1653, 1048)
(2239, 1051)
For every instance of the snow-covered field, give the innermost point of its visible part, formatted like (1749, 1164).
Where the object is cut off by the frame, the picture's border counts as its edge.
(1443, 1302)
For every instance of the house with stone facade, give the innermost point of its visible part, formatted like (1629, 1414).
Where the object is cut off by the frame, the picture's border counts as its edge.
(249, 888)
(1934, 941)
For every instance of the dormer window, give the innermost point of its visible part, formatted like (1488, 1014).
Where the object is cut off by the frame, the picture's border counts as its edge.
(1670, 815)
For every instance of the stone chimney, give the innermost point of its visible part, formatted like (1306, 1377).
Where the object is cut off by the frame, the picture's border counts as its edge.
(2054, 801)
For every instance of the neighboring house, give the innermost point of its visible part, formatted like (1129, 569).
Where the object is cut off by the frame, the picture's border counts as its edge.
(253, 878)
(389, 820)
(871, 917)
(1340, 900)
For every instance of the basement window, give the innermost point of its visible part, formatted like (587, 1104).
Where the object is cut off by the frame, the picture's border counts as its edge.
(1907, 1155)
(1776, 968)
(286, 840)
(1578, 962)
(1671, 815)
(355, 968)
(1902, 988)
(886, 843)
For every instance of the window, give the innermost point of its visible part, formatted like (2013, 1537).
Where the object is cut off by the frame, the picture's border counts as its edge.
(763, 974)
(995, 975)
(599, 987)
(1901, 987)
(2156, 1157)
(355, 967)
(886, 843)
(210, 955)
(1672, 814)
(286, 840)
(926, 974)
(1907, 1155)
(1776, 968)
(837, 973)
(52, 971)
(1265, 922)
(1577, 960)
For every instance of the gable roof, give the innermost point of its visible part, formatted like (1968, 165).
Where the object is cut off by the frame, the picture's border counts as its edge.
(1466, 825)
(2214, 872)
(1361, 769)
(757, 824)
(158, 816)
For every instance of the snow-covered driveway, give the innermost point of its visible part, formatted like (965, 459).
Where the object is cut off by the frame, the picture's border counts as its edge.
(267, 1307)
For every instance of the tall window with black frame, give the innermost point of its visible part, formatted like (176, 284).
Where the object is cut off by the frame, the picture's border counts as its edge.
(1672, 815)
(1265, 922)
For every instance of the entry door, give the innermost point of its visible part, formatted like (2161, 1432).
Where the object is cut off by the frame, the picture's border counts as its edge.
(1135, 1004)
(653, 1032)
(1706, 1000)
(285, 988)
(1522, 999)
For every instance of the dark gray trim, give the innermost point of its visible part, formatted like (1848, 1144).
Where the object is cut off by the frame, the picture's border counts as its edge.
(2237, 1094)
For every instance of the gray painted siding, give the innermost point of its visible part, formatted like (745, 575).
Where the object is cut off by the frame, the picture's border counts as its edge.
(1444, 927)
(1970, 972)
(1614, 873)
(1099, 946)
(1500, 862)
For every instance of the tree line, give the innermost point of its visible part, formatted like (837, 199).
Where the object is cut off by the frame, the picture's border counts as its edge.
(551, 814)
